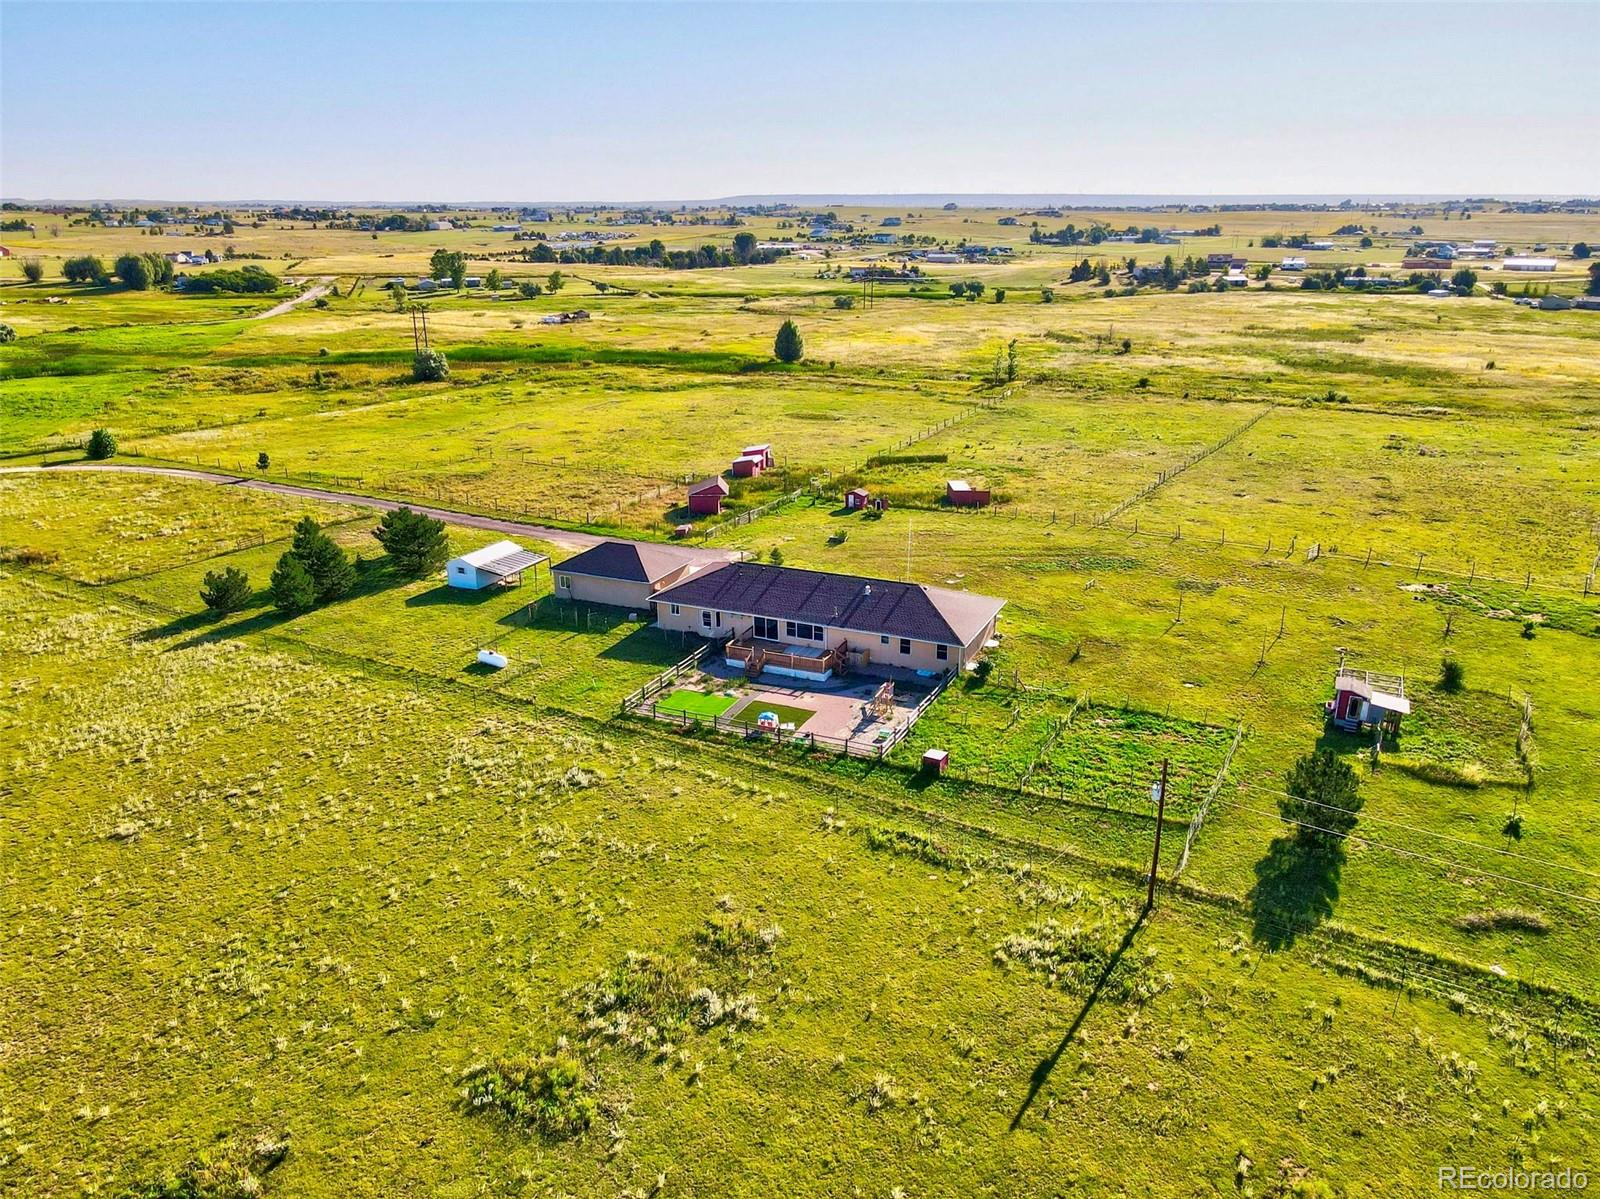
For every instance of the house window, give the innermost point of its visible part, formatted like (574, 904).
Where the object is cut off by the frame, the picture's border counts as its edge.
(788, 628)
(883, 640)
(566, 582)
(705, 619)
(767, 628)
(719, 620)
(461, 570)
(675, 610)
(942, 652)
(905, 645)
(805, 632)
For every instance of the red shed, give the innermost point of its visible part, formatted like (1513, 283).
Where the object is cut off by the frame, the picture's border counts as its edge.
(962, 494)
(762, 451)
(705, 498)
(747, 466)
(856, 497)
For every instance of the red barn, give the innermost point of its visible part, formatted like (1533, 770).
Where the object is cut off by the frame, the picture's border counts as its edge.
(762, 451)
(705, 498)
(748, 466)
(961, 494)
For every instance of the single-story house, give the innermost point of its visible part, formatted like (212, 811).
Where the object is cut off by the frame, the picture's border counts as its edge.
(857, 497)
(962, 494)
(1529, 264)
(624, 574)
(1555, 303)
(1222, 259)
(941, 256)
(1425, 264)
(500, 563)
(705, 497)
(427, 285)
(1236, 278)
(1362, 698)
(1292, 264)
(889, 222)
(812, 624)
(884, 239)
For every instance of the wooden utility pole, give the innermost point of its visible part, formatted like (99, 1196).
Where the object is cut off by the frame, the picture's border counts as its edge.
(1155, 859)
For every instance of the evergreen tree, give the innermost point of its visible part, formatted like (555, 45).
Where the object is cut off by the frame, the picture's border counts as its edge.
(787, 346)
(226, 590)
(429, 366)
(292, 588)
(415, 543)
(324, 561)
(1320, 790)
(102, 445)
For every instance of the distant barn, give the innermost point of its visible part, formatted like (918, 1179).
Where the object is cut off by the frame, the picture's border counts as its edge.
(961, 494)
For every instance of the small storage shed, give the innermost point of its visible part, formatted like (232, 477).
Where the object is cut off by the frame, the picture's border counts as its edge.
(500, 563)
(706, 496)
(748, 466)
(962, 494)
(935, 761)
(857, 497)
(762, 451)
(1366, 699)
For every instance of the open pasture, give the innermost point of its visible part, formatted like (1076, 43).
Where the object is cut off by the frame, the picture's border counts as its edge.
(468, 874)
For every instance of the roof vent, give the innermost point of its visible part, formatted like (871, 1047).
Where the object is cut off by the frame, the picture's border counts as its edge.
(868, 589)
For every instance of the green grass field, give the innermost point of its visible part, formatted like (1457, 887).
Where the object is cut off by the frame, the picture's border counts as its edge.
(322, 877)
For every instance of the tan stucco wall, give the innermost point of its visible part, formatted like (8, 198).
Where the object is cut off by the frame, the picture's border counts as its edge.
(923, 655)
(619, 594)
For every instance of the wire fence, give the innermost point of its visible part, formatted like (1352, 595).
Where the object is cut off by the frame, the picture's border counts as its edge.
(1197, 821)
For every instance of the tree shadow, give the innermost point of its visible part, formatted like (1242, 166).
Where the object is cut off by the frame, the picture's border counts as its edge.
(1296, 889)
(1041, 1072)
(644, 645)
(458, 597)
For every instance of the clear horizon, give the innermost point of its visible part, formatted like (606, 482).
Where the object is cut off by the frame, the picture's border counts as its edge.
(473, 103)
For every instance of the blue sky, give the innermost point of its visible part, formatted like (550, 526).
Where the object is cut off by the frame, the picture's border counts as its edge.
(469, 101)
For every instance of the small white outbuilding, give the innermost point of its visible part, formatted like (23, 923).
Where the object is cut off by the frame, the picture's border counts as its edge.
(501, 562)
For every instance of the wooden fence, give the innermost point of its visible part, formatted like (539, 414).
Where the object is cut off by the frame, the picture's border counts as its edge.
(1199, 818)
(665, 679)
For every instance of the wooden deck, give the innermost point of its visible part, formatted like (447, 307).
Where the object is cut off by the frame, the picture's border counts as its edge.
(759, 655)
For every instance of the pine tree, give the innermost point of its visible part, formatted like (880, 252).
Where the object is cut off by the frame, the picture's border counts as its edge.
(1321, 791)
(292, 588)
(415, 543)
(227, 590)
(101, 444)
(788, 347)
(324, 561)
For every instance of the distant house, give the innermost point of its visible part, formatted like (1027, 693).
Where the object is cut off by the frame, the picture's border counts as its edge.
(439, 226)
(1292, 264)
(705, 497)
(890, 222)
(1319, 245)
(473, 281)
(1236, 278)
(883, 239)
(498, 564)
(1363, 698)
(1007, 220)
(1529, 264)
(1555, 303)
(811, 625)
(942, 256)
(508, 229)
(857, 497)
(427, 285)
(623, 574)
(961, 494)
(1441, 293)
(1223, 259)
(1425, 264)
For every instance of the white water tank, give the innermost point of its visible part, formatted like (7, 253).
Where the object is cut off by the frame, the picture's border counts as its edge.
(492, 657)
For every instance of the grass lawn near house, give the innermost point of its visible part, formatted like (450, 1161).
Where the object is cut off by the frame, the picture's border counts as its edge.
(695, 703)
(752, 708)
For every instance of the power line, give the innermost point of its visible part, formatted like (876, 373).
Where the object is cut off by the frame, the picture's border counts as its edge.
(1421, 857)
(1366, 819)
